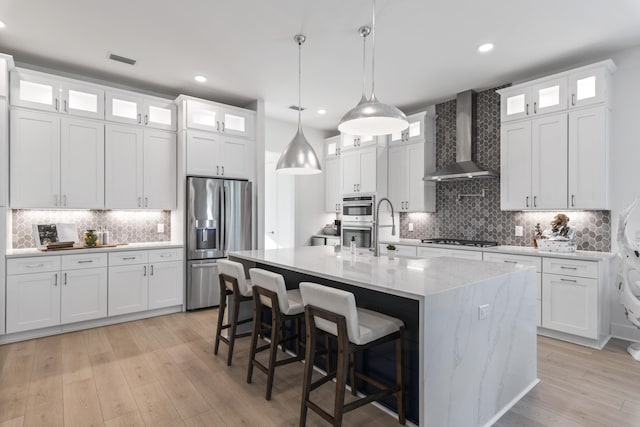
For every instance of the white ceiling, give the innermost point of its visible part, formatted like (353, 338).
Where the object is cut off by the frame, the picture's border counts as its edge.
(426, 50)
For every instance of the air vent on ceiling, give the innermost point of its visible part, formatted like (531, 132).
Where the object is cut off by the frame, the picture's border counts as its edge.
(296, 108)
(122, 59)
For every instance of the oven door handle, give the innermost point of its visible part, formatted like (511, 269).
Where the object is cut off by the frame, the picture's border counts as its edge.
(357, 228)
(364, 205)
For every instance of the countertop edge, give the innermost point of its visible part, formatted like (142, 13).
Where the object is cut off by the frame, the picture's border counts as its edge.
(33, 252)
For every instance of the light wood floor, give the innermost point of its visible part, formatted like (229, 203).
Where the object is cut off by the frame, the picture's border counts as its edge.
(161, 371)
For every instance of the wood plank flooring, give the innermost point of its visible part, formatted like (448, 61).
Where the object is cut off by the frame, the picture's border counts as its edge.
(161, 372)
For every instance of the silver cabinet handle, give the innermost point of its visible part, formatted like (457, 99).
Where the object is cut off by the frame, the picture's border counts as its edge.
(535, 109)
(65, 279)
(358, 188)
(57, 105)
(509, 261)
(146, 119)
(128, 258)
(564, 267)
(86, 261)
(217, 170)
(535, 203)
(65, 199)
(34, 266)
(55, 200)
(65, 105)
(407, 204)
(152, 269)
(146, 202)
(573, 99)
(222, 126)
(573, 200)
(568, 280)
(527, 109)
(139, 118)
(218, 126)
(55, 279)
(354, 188)
(145, 271)
(139, 202)
(222, 170)
(166, 256)
(527, 201)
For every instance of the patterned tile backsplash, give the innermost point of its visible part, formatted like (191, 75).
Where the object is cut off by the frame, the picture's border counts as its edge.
(477, 218)
(123, 226)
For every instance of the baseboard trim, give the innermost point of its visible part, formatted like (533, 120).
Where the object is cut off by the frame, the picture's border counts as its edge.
(510, 405)
(625, 332)
(598, 344)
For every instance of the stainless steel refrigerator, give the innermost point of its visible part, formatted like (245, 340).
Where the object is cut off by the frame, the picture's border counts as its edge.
(218, 221)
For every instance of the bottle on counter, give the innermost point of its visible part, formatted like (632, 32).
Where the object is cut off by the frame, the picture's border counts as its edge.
(352, 245)
(105, 236)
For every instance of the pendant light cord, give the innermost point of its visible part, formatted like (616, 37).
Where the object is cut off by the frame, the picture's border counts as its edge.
(373, 54)
(364, 65)
(299, 83)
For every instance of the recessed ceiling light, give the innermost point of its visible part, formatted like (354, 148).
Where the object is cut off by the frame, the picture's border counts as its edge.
(200, 79)
(487, 47)
(2, 24)
(322, 111)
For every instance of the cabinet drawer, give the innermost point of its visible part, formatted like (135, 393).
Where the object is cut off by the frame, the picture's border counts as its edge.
(455, 253)
(76, 262)
(41, 264)
(431, 252)
(128, 258)
(532, 261)
(570, 267)
(162, 255)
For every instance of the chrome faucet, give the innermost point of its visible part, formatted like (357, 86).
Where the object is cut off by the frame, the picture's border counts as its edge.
(376, 226)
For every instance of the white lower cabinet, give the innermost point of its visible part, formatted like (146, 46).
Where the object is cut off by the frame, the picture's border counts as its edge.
(402, 250)
(33, 301)
(84, 295)
(164, 278)
(128, 289)
(428, 252)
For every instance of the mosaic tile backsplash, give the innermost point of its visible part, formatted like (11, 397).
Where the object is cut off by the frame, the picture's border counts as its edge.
(476, 218)
(123, 226)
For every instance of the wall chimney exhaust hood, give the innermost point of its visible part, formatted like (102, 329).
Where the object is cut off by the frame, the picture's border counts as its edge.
(464, 167)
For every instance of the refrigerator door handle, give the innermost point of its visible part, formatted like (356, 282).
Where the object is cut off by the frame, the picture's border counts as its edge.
(226, 220)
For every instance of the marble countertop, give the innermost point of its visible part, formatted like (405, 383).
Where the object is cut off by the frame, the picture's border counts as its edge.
(513, 250)
(33, 252)
(410, 277)
(336, 236)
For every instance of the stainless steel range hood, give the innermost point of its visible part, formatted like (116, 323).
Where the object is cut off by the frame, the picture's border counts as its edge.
(464, 167)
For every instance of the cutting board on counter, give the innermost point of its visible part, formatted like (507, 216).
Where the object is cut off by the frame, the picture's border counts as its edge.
(74, 247)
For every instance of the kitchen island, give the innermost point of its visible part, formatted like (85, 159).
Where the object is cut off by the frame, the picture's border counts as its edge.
(470, 339)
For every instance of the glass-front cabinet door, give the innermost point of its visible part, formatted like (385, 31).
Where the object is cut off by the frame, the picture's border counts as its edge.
(549, 96)
(81, 100)
(160, 114)
(124, 108)
(34, 91)
(514, 104)
(238, 123)
(587, 87)
(202, 116)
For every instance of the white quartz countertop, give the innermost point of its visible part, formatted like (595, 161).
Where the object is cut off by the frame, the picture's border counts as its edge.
(514, 250)
(33, 252)
(405, 276)
(333, 236)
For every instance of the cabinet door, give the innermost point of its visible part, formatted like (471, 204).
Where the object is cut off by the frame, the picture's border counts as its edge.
(514, 104)
(123, 167)
(462, 254)
(202, 116)
(159, 114)
(396, 179)
(549, 162)
(515, 166)
(426, 252)
(368, 170)
(588, 159)
(83, 100)
(82, 164)
(35, 160)
(238, 123)
(414, 170)
(570, 304)
(4, 151)
(166, 284)
(33, 301)
(34, 91)
(203, 154)
(128, 289)
(587, 87)
(348, 142)
(332, 147)
(550, 96)
(124, 108)
(332, 185)
(236, 160)
(84, 295)
(415, 131)
(350, 171)
(159, 170)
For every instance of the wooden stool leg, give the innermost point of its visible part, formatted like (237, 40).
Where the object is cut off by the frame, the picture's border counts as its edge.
(352, 373)
(298, 342)
(234, 326)
(273, 352)
(221, 309)
(341, 379)
(327, 347)
(400, 377)
(257, 322)
(310, 351)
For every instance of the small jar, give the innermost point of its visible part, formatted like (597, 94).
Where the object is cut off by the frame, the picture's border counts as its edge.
(90, 238)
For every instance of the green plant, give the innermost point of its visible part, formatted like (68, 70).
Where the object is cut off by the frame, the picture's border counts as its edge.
(391, 248)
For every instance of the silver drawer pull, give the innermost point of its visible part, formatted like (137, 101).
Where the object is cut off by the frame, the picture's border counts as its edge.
(128, 258)
(510, 262)
(564, 267)
(166, 256)
(89, 261)
(568, 280)
(34, 266)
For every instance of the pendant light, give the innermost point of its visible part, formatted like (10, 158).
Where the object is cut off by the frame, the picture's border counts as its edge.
(299, 158)
(370, 116)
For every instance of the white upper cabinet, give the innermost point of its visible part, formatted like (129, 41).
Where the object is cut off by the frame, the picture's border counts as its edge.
(416, 131)
(514, 103)
(549, 162)
(407, 191)
(549, 96)
(225, 119)
(588, 87)
(159, 170)
(515, 166)
(137, 109)
(123, 167)
(349, 142)
(332, 147)
(332, 174)
(31, 89)
(210, 154)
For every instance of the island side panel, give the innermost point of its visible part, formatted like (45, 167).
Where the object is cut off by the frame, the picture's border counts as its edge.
(474, 368)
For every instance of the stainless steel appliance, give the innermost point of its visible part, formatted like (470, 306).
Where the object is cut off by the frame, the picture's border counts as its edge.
(218, 221)
(461, 242)
(358, 209)
(363, 234)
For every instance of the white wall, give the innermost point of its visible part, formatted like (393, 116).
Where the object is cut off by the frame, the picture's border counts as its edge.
(625, 164)
(309, 190)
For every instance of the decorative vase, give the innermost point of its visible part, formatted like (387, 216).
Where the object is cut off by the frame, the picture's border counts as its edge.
(391, 254)
(90, 238)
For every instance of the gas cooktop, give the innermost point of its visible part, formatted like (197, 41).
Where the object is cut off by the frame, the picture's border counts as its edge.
(460, 242)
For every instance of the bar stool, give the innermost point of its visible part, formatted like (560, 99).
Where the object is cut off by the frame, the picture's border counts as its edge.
(232, 283)
(269, 291)
(334, 311)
